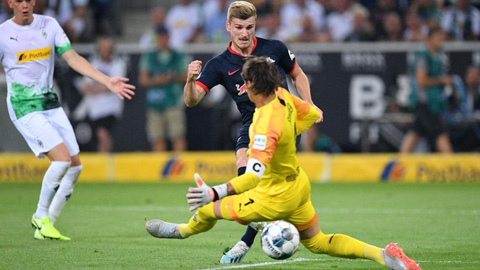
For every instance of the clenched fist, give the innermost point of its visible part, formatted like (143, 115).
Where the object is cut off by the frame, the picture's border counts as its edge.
(194, 69)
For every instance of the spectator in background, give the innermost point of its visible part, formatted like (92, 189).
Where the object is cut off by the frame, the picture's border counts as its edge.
(339, 22)
(463, 114)
(428, 77)
(462, 21)
(363, 28)
(297, 15)
(309, 32)
(107, 17)
(40, 6)
(76, 25)
(269, 27)
(392, 27)
(327, 6)
(268, 18)
(71, 16)
(5, 11)
(162, 74)
(157, 18)
(428, 11)
(104, 107)
(380, 10)
(184, 23)
(415, 29)
(472, 86)
(265, 7)
(215, 12)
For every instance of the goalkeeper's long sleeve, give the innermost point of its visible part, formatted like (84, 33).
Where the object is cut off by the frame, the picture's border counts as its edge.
(244, 182)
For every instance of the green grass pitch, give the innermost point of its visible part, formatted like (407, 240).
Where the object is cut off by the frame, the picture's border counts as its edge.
(437, 224)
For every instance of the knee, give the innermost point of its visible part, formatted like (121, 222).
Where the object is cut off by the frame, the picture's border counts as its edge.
(103, 134)
(60, 167)
(317, 244)
(56, 172)
(71, 177)
(207, 212)
(75, 161)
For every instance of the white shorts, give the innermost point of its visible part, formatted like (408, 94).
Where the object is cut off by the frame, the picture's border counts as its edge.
(44, 130)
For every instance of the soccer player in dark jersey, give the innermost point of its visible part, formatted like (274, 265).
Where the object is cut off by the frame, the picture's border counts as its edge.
(225, 69)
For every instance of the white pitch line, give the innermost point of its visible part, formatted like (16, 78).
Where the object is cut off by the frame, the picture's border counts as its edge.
(239, 266)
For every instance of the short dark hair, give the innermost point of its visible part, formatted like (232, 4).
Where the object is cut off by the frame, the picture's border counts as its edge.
(263, 75)
(161, 30)
(434, 30)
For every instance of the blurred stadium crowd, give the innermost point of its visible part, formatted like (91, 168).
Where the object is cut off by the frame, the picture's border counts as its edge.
(288, 20)
(292, 21)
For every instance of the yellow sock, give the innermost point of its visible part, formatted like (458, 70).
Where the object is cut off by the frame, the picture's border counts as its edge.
(337, 245)
(203, 220)
(373, 253)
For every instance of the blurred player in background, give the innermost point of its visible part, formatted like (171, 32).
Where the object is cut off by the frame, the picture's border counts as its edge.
(27, 46)
(274, 186)
(429, 78)
(225, 69)
(162, 74)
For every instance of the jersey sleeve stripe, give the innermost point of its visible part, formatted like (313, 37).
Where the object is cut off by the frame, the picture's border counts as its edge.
(63, 49)
(268, 123)
(307, 225)
(203, 86)
(293, 69)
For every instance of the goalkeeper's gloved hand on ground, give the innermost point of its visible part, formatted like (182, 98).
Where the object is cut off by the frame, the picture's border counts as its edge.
(203, 194)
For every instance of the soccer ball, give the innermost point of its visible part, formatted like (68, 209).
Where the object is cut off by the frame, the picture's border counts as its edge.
(280, 240)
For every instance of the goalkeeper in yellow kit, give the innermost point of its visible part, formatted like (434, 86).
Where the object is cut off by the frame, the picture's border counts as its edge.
(274, 186)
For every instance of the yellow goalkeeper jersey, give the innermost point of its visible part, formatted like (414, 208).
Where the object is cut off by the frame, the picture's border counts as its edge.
(273, 133)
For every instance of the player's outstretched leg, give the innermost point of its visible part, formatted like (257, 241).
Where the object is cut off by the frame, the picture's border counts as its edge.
(238, 252)
(162, 229)
(395, 258)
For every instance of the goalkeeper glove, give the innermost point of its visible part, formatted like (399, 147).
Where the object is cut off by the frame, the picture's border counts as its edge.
(203, 194)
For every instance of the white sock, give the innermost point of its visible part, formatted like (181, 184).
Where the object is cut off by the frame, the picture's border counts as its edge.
(64, 192)
(50, 184)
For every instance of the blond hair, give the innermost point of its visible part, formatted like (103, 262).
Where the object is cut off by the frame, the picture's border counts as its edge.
(241, 10)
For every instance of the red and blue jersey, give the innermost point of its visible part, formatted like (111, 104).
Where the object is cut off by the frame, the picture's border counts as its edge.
(226, 69)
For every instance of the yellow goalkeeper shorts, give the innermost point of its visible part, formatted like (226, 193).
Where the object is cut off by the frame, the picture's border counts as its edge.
(252, 206)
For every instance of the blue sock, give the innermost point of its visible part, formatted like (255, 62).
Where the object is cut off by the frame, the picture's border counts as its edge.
(249, 236)
(241, 170)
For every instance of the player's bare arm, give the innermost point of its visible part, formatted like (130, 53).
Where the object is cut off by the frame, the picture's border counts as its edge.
(303, 87)
(193, 93)
(94, 88)
(117, 85)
